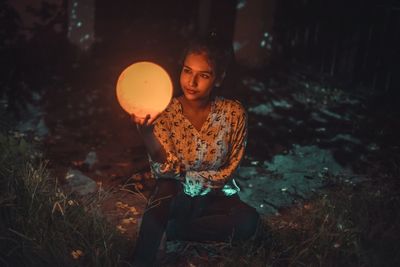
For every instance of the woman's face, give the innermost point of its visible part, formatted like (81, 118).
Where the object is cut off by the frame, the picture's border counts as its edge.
(197, 77)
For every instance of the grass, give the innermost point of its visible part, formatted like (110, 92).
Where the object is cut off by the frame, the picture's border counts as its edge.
(41, 225)
(349, 225)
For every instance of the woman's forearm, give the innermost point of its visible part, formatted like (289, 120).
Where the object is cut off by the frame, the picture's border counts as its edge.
(153, 146)
(145, 128)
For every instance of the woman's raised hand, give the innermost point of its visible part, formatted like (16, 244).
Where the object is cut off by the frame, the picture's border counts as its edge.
(145, 124)
(145, 128)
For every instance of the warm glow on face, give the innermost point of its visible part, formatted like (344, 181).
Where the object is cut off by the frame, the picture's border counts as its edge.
(144, 88)
(197, 77)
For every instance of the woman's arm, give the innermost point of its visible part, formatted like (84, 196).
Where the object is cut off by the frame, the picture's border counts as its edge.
(145, 128)
(156, 136)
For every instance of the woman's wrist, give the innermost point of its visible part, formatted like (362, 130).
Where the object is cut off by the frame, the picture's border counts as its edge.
(153, 146)
(182, 175)
(145, 131)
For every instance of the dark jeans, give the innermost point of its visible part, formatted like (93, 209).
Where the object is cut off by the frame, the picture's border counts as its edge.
(214, 217)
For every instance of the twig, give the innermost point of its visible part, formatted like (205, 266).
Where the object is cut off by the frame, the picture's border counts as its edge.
(20, 234)
(138, 193)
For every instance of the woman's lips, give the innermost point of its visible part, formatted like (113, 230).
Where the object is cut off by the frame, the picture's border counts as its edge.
(190, 91)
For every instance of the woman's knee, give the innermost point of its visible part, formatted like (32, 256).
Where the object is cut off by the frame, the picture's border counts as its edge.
(163, 194)
(246, 224)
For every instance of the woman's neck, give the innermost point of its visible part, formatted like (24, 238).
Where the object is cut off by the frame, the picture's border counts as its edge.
(197, 105)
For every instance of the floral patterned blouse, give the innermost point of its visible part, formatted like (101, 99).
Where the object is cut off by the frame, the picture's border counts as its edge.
(206, 159)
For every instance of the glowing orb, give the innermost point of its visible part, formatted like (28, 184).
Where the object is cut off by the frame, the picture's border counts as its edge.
(144, 88)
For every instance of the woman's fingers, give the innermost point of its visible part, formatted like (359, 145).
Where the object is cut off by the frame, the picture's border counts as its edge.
(133, 117)
(144, 124)
(152, 119)
(146, 120)
(138, 120)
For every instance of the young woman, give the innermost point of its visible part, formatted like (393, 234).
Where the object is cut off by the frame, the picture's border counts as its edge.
(195, 146)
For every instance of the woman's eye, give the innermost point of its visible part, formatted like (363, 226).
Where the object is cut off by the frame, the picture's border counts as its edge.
(205, 76)
(186, 70)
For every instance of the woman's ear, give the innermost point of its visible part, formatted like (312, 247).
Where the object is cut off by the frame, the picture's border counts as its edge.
(220, 79)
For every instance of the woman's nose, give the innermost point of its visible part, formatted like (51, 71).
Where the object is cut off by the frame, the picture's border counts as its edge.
(193, 81)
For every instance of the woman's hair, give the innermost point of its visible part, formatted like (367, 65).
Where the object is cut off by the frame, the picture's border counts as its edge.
(218, 50)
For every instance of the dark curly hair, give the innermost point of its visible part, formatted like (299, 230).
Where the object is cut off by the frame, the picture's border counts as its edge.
(218, 50)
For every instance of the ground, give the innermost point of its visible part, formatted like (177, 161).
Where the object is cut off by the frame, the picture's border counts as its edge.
(304, 135)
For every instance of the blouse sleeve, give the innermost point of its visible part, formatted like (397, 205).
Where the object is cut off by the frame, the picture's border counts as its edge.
(201, 182)
(171, 168)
